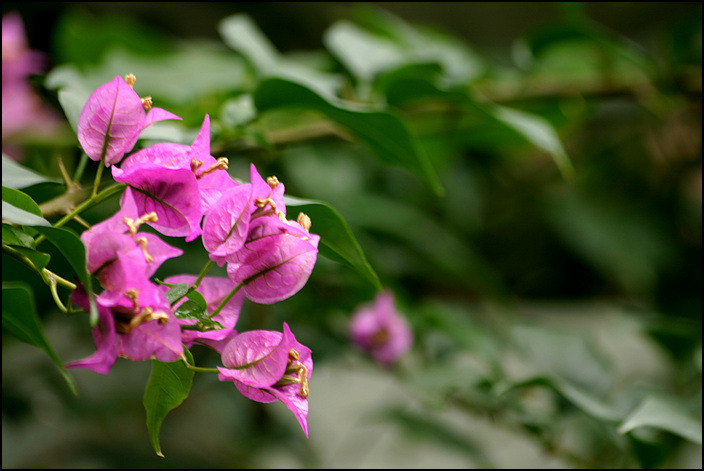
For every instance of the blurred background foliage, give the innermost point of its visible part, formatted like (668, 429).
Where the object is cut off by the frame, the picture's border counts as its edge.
(526, 177)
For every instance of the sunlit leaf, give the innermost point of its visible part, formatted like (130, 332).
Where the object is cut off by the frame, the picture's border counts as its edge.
(665, 415)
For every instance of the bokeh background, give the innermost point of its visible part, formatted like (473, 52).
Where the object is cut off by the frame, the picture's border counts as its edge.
(546, 309)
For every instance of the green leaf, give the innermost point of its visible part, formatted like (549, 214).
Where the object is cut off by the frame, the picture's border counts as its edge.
(383, 132)
(14, 236)
(39, 259)
(168, 385)
(336, 239)
(176, 292)
(20, 200)
(579, 397)
(16, 176)
(198, 299)
(426, 428)
(364, 54)
(242, 34)
(663, 414)
(19, 216)
(19, 317)
(538, 132)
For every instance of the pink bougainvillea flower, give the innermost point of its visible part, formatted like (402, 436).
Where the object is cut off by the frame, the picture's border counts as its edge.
(210, 173)
(275, 261)
(214, 290)
(170, 193)
(266, 366)
(23, 110)
(136, 324)
(116, 252)
(380, 330)
(226, 226)
(112, 119)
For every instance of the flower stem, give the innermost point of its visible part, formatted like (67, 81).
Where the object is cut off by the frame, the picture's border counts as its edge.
(98, 175)
(106, 193)
(202, 274)
(198, 369)
(225, 300)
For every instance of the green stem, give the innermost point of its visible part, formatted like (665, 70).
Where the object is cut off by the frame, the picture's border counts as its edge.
(226, 300)
(93, 200)
(198, 369)
(202, 274)
(196, 283)
(99, 175)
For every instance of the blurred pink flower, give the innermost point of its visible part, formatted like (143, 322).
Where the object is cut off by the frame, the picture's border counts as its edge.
(22, 109)
(379, 329)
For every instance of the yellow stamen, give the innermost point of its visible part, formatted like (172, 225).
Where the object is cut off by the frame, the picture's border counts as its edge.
(146, 103)
(221, 164)
(304, 221)
(130, 79)
(142, 242)
(273, 182)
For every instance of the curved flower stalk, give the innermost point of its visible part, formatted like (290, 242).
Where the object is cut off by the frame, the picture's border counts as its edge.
(112, 119)
(266, 366)
(379, 329)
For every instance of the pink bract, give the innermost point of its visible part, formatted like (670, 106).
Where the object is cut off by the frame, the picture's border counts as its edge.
(257, 363)
(276, 261)
(112, 119)
(380, 330)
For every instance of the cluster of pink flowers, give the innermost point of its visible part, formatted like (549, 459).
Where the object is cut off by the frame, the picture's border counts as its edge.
(183, 191)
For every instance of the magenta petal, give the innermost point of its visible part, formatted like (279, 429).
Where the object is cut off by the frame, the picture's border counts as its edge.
(261, 189)
(297, 404)
(225, 228)
(158, 114)
(111, 121)
(257, 357)
(276, 262)
(171, 193)
(161, 341)
(159, 251)
(103, 334)
(164, 154)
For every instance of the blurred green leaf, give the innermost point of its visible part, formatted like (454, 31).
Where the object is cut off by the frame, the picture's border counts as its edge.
(425, 234)
(17, 176)
(383, 132)
(244, 36)
(581, 398)
(424, 428)
(168, 386)
(336, 239)
(666, 415)
(19, 317)
(364, 54)
(562, 354)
